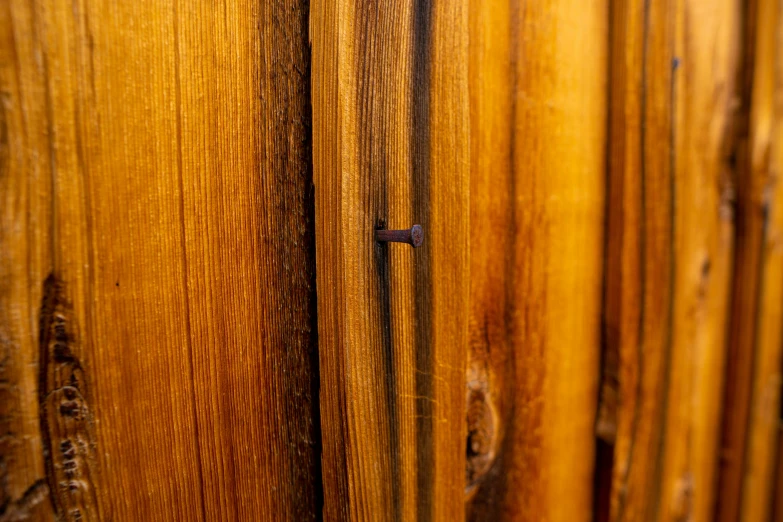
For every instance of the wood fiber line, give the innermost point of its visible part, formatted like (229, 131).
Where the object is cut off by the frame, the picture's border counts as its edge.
(538, 121)
(156, 160)
(390, 136)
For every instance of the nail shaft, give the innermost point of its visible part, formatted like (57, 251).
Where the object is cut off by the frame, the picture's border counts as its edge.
(414, 236)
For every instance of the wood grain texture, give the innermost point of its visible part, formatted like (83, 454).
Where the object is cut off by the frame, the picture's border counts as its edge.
(748, 483)
(639, 272)
(25, 195)
(741, 351)
(669, 253)
(707, 46)
(538, 120)
(391, 148)
(156, 171)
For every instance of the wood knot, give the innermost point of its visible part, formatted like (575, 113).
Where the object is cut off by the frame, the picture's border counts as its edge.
(481, 437)
(66, 421)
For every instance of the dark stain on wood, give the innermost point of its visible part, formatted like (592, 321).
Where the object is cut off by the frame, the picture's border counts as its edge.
(748, 268)
(24, 507)
(420, 168)
(289, 209)
(387, 342)
(66, 420)
(481, 437)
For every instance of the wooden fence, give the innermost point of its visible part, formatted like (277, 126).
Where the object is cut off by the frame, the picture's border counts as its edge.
(197, 322)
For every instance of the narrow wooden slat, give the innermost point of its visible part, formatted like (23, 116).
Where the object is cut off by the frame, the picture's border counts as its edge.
(765, 155)
(745, 290)
(707, 47)
(639, 252)
(160, 175)
(538, 120)
(390, 131)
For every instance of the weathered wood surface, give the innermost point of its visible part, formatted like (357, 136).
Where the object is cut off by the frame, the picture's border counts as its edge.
(391, 148)
(753, 393)
(591, 330)
(155, 176)
(538, 141)
(669, 253)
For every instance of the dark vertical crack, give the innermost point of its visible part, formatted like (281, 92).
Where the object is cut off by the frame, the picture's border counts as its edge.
(420, 167)
(642, 259)
(604, 450)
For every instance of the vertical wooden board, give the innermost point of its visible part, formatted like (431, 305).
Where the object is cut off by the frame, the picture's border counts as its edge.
(558, 155)
(639, 253)
(751, 422)
(249, 236)
(766, 165)
(746, 279)
(707, 49)
(390, 136)
(494, 27)
(173, 212)
(538, 103)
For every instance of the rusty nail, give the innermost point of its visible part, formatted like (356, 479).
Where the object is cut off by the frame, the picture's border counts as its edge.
(414, 236)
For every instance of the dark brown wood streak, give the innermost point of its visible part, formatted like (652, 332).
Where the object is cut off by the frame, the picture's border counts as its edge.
(421, 76)
(67, 424)
(288, 295)
(747, 263)
(753, 389)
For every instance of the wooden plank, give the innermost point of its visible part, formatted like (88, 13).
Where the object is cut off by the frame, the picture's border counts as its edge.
(745, 290)
(639, 253)
(390, 135)
(707, 47)
(538, 120)
(159, 162)
(765, 193)
(494, 29)
(669, 253)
